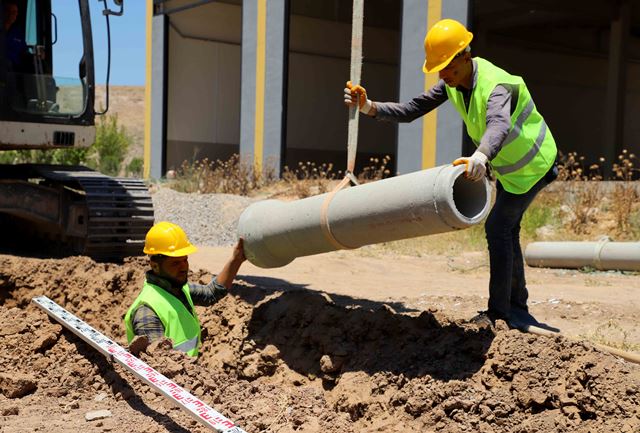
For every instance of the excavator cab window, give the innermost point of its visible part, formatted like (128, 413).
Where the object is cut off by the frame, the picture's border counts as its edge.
(45, 59)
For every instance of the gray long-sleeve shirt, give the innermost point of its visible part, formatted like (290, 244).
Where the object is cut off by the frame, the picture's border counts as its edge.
(499, 110)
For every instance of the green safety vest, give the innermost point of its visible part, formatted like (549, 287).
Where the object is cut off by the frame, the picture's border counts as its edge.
(529, 150)
(180, 325)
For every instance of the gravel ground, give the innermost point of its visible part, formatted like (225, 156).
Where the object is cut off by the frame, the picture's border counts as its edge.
(217, 214)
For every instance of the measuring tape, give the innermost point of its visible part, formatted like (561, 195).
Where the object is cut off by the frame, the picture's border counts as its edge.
(195, 407)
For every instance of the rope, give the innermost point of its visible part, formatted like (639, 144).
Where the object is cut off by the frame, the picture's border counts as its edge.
(324, 216)
(627, 356)
(354, 116)
(354, 74)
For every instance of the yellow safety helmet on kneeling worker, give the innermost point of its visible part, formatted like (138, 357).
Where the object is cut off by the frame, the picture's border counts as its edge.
(443, 41)
(167, 239)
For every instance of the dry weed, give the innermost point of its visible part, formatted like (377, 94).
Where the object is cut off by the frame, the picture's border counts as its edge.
(237, 177)
(310, 179)
(626, 192)
(376, 170)
(625, 169)
(230, 177)
(571, 167)
(583, 194)
(625, 197)
(587, 200)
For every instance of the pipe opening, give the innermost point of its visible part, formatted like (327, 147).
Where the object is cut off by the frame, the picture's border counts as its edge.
(469, 197)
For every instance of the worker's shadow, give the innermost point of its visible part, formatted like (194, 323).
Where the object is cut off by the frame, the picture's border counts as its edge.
(326, 335)
(120, 385)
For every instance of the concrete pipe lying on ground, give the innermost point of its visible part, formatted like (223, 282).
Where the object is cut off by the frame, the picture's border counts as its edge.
(602, 255)
(427, 202)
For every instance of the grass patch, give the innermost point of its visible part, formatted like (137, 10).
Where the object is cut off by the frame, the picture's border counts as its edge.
(541, 213)
(451, 243)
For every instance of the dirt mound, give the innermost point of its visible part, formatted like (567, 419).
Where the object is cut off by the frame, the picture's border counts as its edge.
(295, 360)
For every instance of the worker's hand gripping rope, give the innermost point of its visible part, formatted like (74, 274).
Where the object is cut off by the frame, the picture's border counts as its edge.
(359, 92)
(476, 165)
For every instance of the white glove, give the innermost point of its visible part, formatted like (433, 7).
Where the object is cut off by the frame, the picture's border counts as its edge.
(476, 165)
(351, 94)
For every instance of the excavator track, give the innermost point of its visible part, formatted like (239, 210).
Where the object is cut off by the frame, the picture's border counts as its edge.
(99, 216)
(119, 211)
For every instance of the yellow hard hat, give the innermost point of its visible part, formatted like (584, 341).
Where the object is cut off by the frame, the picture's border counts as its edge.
(443, 41)
(168, 239)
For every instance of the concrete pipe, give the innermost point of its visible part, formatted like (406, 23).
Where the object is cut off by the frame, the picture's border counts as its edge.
(427, 202)
(602, 255)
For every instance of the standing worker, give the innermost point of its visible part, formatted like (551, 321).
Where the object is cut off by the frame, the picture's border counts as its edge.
(15, 45)
(509, 132)
(165, 306)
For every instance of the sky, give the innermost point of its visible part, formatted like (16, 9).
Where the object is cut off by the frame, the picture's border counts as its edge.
(128, 39)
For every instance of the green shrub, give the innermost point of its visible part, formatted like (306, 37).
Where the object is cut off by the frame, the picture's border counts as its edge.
(10, 157)
(135, 167)
(76, 156)
(110, 148)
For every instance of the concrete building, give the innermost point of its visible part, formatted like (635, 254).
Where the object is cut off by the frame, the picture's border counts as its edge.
(264, 78)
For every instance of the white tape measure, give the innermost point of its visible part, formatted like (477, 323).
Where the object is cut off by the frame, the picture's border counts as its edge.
(195, 407)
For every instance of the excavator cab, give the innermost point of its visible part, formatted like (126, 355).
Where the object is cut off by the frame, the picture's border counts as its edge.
(46, 74)
(47, 92)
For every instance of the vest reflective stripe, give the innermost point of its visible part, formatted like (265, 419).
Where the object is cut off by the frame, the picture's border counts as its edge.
(528, 157)
(188, 345)
(517, 127)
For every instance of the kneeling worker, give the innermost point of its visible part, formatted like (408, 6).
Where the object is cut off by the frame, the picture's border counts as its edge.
(165, 306)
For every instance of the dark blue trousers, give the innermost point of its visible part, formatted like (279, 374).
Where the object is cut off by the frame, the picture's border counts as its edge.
(507, 286)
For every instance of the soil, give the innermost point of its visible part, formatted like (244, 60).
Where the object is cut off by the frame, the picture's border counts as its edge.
(332, 343)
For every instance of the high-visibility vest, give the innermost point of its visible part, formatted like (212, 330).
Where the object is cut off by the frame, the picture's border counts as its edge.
(529, 150)
(180, 325)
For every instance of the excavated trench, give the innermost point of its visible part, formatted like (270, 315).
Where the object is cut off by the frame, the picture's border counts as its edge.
(295, 360)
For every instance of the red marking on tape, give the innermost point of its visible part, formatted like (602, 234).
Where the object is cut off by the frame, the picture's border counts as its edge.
(175, 391)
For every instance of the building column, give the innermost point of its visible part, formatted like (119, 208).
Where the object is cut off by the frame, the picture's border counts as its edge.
(264, 42)
(155, 94)
(437, 137)
(616, 83)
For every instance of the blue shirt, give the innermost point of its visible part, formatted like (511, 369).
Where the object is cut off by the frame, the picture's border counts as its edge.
(15, 45)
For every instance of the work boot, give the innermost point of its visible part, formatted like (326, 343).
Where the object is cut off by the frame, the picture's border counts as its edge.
(521, 316)
(482, 320)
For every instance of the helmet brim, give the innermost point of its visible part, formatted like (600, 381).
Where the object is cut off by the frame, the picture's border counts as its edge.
(177, 253)
(428, 68)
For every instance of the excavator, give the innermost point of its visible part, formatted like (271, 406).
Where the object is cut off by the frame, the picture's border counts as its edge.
(78, 210)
